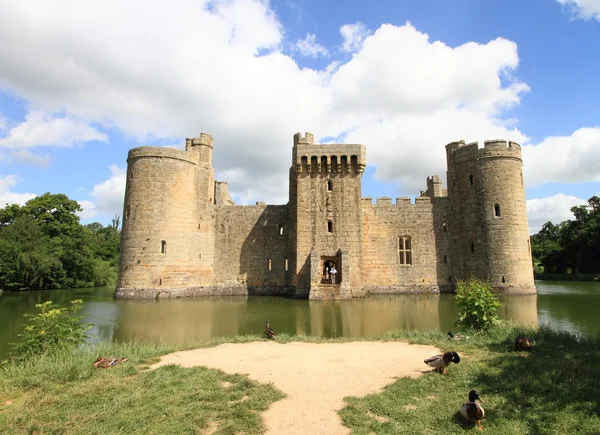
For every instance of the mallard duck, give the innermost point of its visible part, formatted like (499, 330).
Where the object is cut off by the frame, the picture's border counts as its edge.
(105, 362)
(522, 343)
(472, 410)
(440, 362)
(456, 337)
(269, 332)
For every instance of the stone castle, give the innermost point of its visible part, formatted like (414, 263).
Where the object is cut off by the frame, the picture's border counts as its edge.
(183, 236)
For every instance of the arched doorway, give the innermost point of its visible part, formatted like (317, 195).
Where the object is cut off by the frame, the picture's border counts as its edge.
(327, 277)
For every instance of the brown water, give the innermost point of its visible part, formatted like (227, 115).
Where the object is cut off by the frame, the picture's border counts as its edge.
(572, 306)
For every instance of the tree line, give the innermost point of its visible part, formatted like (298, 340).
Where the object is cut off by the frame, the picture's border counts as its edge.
(44, 246)
(572, 246)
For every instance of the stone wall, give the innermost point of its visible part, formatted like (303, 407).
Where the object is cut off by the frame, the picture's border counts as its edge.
(383, 224)
(251, 246)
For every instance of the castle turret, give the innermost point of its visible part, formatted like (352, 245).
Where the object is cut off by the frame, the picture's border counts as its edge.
(488, 217)
(325, 197)
(167, 241)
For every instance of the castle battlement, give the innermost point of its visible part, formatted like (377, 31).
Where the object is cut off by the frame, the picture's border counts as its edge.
(183, 235)
(162, 153)
(204, 139)
(307, 139)
(401, 202)
(491, 148)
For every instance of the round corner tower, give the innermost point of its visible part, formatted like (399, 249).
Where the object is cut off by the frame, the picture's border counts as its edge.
(488, 215)
(163, 245)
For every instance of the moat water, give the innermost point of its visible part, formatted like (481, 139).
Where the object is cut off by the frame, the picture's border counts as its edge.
(572, 306)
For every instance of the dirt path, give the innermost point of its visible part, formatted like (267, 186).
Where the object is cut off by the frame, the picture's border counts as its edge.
(315, 377)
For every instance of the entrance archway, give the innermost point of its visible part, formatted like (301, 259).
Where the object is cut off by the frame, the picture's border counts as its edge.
(326, 276)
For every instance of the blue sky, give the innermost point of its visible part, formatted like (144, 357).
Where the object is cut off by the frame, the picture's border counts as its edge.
(82, 84)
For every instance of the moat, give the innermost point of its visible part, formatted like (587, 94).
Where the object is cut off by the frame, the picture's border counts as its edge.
(564, 305)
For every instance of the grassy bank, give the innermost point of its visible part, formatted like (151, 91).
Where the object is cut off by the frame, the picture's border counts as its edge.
(553, 389)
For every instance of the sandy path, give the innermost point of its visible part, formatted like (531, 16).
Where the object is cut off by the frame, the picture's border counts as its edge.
(315, 377)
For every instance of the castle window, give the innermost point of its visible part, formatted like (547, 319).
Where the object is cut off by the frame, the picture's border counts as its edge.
(329, 185)
(323, 164)
(404, 250)
(304, 163)
(286, 264)
(503, 280)
(127, 211)
(497, 210)
(450, 278)
(281, 230)
(471, 179)
(330, 226)
(269, 264)
(445, 259)
(444, 226)
(334, 164)
(472, 247)
(163, 247)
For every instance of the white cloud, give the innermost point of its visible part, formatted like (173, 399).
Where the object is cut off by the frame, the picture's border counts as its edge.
(564, 159)
(7, 196)
(556, 209)
(88, 209)
(152, 72)
(42, 129)
(26, 156)
(109, 195)
(585, 9)
(310, 47)
(354, 35)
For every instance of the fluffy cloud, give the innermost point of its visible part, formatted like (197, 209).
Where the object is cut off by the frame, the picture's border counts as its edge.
(219, 67)
(353, 35)
(88, 210)
(26, 156)
(555, 209)
(310, 47)
(564, 159)
(7, 196)
(585, 9)
(42, 129)
(109, 195)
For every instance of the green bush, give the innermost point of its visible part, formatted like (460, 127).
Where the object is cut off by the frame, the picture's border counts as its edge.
(477, 303)
(51, 329)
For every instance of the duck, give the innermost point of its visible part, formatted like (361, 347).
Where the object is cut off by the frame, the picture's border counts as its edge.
(522, 343)
(472, 410)
(456, 337)
(105, 362)
(269, 332)
(440, 362)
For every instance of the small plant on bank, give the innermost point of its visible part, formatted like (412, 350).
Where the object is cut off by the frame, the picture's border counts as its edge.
(477, 303)
(51, 329)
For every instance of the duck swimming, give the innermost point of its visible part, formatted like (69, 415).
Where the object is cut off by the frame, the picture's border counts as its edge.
(472, 411)
(440, 362)
(269, 332)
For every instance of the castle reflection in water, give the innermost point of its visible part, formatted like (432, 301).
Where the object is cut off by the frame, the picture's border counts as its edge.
(178, 321)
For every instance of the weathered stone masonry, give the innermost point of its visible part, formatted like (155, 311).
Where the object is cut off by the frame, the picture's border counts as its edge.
(184, 236)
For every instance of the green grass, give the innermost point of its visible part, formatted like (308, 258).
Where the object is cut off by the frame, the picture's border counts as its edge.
(555, 389)
(65, 394)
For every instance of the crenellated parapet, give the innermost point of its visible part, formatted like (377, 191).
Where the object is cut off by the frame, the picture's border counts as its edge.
(162, 153)
(401, 202)
(330, 159)
(461, 152)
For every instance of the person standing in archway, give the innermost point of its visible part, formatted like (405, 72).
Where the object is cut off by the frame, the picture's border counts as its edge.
(333, 273)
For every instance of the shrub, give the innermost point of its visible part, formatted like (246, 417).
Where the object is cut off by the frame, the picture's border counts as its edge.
(51, 329)
(477, 303)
